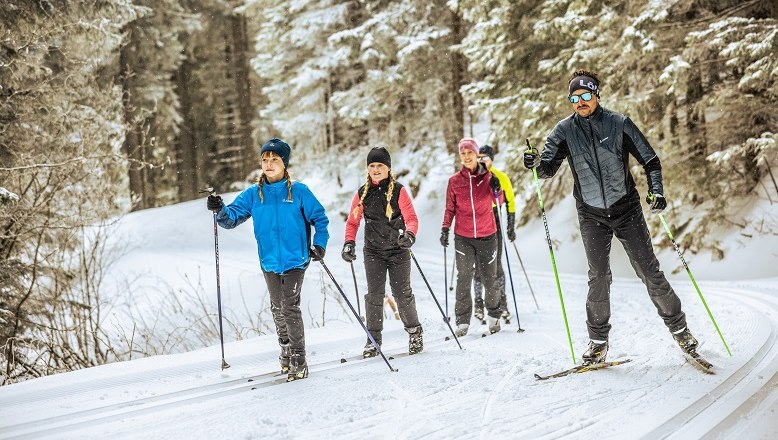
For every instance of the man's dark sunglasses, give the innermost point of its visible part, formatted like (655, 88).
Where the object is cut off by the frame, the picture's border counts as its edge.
(585, 96)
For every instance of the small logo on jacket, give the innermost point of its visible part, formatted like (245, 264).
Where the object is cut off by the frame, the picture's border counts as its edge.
(603, 140)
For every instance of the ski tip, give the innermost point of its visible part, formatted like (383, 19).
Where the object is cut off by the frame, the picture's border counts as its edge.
(483, 335)
(539, 377)
(343, 360)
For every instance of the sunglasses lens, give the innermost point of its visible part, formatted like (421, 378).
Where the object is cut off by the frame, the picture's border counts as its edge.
(573, 99)
(586, 96)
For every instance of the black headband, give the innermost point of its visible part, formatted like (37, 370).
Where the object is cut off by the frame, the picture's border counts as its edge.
(585, 82)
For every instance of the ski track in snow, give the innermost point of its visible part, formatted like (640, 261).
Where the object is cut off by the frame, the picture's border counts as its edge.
(486, 390)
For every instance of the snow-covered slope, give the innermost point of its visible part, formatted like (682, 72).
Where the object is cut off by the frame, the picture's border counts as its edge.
(165, 280)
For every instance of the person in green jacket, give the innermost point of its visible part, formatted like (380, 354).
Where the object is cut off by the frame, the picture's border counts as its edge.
(486, 156)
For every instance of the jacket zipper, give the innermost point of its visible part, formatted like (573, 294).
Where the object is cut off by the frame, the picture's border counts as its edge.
(597, 159)
(472, 206)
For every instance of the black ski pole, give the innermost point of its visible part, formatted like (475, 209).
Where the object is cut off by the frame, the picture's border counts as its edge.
(369, 336)
(356, 289)
(445, 283)
(436, 299)
(525, 275)
(210, 191)
(507, 261)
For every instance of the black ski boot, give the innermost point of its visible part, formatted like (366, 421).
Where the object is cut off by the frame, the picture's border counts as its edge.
(298, 368)
(283, 358)
(596, 352)
(415, 340)
(685, 340)
(369, 350)
(479, 309)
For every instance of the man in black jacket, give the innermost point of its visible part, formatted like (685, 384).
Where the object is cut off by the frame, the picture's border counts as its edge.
(597, 144)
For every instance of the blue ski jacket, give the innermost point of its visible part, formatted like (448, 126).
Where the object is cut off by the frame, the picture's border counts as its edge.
(281, 226)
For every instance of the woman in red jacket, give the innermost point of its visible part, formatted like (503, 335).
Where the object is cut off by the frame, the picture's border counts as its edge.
(469, 197)
(390, 231)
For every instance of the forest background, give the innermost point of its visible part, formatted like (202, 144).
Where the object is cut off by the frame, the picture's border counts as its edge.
(112, 106)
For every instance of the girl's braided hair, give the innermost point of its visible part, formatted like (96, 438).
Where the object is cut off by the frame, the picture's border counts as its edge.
(389, 192)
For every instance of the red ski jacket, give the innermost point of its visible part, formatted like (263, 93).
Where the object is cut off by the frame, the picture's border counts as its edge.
(469, 198)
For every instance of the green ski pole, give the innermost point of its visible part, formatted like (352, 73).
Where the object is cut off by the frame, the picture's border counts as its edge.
(553, 260)
(691, 277)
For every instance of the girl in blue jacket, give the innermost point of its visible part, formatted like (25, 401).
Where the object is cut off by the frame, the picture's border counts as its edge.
(283, 212)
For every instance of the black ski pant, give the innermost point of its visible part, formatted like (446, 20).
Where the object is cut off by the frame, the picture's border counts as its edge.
(285, 306)
(397, 263)
(478, 286)
(629, 226)
(472, 253)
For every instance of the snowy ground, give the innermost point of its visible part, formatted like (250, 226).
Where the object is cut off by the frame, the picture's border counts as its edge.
(485, 390)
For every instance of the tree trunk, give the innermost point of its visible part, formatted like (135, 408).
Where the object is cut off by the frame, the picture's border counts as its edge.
(186, 142)
(455, 128)
(133, 144)
(240, 66)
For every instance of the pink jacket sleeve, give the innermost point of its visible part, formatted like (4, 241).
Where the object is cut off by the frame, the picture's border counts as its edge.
(408, 212)
(354, 217)
(448, 215)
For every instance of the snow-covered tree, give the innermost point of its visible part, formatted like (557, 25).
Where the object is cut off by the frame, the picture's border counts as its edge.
(61, 125)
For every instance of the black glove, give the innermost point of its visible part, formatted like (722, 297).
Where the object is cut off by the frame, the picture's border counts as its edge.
(531, 159)
(657, 202)
(349, 253)
(444, 237)
(406, 240)
(511, 227)
(317, 252)
(494, 182)
(215, 203)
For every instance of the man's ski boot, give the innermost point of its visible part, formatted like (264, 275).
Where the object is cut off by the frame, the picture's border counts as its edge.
(415, 341)
(596, 352)
(479, 309)
(685, 340)
(506, 316)
(298, 368)
(283, 358)
(494, 324)
(689, 344)
(462, 330)
(369, 350)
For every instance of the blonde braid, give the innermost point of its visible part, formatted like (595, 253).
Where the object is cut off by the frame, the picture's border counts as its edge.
(261, 180)
(389, 192)
(288, 185)
(355, 212)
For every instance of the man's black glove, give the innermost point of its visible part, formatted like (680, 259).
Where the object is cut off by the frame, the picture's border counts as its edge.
(406, 240)
(531, 159)
(494, 182)
(349, 252)
(511, 227)
(657, 202)
(444, 237)
(215, 203)
(317, 252)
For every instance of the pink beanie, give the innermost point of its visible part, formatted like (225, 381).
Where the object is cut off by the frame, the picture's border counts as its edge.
(468, 144)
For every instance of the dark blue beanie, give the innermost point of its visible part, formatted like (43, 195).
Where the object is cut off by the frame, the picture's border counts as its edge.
(487, 150)
(278, 147)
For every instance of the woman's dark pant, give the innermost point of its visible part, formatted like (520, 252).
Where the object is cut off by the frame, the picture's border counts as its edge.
(472, 253)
